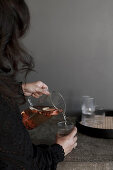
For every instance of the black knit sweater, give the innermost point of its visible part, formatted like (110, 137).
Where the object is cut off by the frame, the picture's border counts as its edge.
(16, 149)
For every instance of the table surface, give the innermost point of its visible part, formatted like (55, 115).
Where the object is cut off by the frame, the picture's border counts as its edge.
(90, 154)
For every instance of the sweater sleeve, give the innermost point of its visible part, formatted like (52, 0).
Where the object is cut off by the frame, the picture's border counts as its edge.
(20, 90)
(11, 138)
(52, 155)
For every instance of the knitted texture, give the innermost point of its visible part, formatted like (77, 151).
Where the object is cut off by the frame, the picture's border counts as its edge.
(16, 149)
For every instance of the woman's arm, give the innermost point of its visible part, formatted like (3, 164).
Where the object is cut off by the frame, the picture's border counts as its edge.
(55, 153)
(47, 157)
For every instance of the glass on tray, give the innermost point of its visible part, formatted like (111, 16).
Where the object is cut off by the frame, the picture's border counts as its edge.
(99, 115)
(88, 111)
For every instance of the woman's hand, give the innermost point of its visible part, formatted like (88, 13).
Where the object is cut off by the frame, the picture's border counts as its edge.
(68, 142)
(35, 89)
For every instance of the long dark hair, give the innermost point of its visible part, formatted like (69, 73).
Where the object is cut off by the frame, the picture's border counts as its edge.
(14, 22)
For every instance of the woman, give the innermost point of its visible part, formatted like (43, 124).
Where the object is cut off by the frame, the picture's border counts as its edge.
(16, 149)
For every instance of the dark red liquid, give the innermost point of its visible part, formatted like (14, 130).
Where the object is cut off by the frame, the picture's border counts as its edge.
(33, 118)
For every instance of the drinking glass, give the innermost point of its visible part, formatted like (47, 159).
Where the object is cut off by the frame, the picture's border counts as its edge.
(64, 128)
(84, 104)
(99, 116)
(88, 109)
(88, 105)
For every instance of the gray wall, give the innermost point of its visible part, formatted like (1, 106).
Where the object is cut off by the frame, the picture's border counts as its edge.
(72, 43)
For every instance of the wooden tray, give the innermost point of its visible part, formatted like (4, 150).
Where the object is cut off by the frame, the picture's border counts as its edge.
(104, 130)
